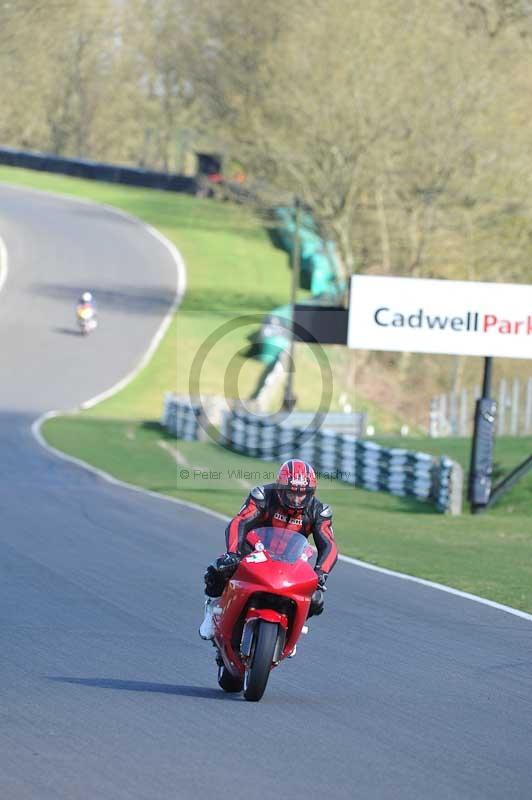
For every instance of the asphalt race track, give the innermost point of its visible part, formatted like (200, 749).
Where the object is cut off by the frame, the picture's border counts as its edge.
(399, 691)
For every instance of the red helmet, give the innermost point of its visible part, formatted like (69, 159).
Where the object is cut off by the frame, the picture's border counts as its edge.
(296, 484)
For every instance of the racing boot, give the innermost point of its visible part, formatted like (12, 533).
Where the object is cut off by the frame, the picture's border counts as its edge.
(206, 629)
(292, 653)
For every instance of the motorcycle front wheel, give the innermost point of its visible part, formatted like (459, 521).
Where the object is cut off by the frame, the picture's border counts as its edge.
(258, 670)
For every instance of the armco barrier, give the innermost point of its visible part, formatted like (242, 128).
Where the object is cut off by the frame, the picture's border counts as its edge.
(110, 173)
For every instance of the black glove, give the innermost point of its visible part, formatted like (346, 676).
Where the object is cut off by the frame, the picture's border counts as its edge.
(322, 579)
(227, 564)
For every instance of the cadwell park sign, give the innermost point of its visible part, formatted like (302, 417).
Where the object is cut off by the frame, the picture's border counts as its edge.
(455, 318)
(439, 316)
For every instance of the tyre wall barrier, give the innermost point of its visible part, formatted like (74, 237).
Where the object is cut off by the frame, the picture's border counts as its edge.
(180, 417)
(341, 456)
(93, 170)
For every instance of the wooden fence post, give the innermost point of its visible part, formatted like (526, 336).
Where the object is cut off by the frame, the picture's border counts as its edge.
(462, 430)
(514, 427)
(528, 407)
(501, 410)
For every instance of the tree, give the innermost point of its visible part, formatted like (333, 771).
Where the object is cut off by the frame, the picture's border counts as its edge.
(156, 44)
(102, 79)
(57, 73)
(368, 115)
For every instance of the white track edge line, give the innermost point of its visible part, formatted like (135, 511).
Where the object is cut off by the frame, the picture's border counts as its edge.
(106, 476)
(181, 273)
(440, 586)
(3, 263)
(165, 324)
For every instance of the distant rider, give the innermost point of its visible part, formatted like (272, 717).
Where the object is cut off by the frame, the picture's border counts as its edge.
(86, 309)
(289, 503)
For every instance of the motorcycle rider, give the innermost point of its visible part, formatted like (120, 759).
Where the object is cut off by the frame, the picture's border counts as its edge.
(86, 308)
(86, 299)
(288, 503)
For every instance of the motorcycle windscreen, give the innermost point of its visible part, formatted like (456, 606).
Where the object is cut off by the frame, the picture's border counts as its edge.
(281, 544)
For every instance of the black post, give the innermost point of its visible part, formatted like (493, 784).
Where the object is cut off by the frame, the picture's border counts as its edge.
(481, 467)
(486, 383)
(289, 400)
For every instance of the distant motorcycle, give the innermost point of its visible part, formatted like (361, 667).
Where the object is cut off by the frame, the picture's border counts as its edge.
(263, 609)
(86, 318)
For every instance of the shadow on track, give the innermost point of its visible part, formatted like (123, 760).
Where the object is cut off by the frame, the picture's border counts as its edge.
(68, 331)
(125, 298)
(143, 686)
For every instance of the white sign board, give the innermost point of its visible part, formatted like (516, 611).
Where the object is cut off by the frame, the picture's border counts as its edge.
(433, 316)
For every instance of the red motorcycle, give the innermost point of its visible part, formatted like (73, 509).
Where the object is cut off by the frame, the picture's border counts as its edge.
(262, 612)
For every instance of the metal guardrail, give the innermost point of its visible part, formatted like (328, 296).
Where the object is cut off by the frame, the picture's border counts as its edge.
(354, 423)
(84, 168)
